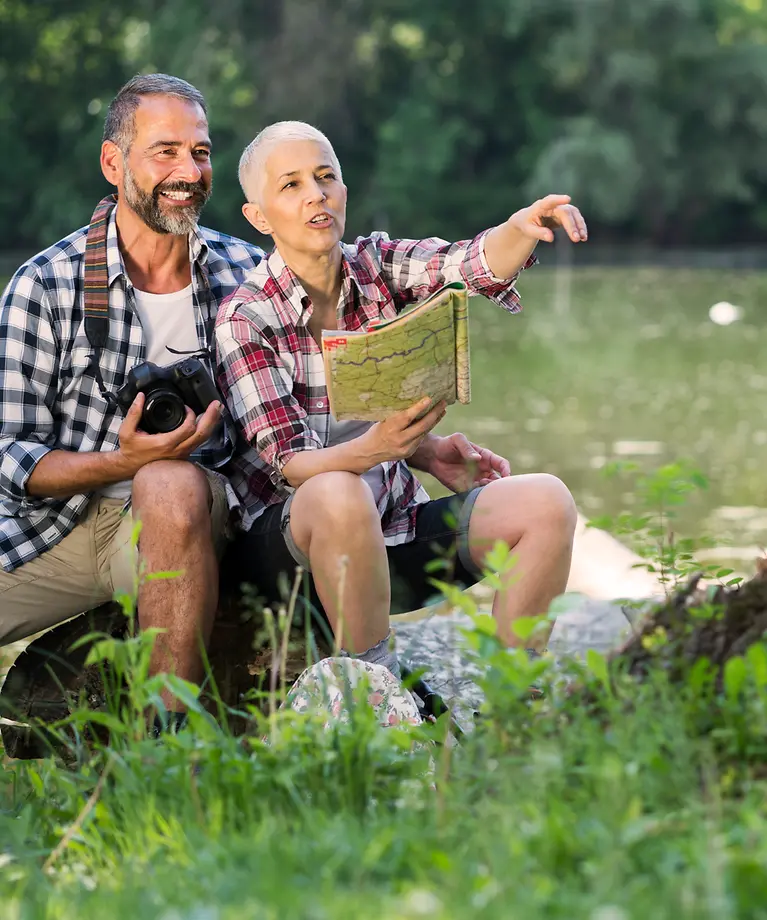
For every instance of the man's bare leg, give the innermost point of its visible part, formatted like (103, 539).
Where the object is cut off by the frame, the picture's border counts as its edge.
(334, 521)
(172, 500)
(536, 516)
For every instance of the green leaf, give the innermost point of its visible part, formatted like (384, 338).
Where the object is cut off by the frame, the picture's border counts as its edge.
(102, 651)
(185, 691)
(84, 716)
(485, 624)
(597, 664)
(524, 627)
(757, 660)
(162, 576)
(735, 673)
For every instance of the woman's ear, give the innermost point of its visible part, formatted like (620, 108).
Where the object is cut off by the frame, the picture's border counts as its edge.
(254, 216)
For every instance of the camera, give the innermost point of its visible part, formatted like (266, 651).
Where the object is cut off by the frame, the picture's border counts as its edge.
(168, 391)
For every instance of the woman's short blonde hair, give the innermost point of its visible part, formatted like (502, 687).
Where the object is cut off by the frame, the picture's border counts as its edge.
(255, 155)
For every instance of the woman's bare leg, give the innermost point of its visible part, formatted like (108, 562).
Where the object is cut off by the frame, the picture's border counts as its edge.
(536, 516)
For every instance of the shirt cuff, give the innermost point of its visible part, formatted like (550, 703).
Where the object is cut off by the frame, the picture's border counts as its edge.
(481, 280)
(17, 463)
(277, 454)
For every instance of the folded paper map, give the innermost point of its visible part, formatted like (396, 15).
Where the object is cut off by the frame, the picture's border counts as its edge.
(392, 364)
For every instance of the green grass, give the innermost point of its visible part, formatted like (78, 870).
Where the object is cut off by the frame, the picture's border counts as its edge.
(648, 803)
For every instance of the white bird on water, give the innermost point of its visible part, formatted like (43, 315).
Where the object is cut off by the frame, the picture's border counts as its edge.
(724, 313)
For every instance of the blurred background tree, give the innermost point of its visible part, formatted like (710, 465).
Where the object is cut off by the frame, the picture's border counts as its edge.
(446, 115)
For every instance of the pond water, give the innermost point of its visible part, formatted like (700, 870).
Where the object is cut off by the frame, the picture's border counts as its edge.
(625, 364)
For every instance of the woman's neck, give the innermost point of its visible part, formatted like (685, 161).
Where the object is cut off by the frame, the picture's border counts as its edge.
(320, 276)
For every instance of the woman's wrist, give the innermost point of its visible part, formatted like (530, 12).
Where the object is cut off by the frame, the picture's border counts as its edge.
(365, 454)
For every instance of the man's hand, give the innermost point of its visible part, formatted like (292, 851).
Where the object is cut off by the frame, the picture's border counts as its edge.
(539, 221)
(137, 448)
(398, 436)
(459, 464)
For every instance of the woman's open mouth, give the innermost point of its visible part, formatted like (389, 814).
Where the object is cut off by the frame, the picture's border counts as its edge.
(320, 221)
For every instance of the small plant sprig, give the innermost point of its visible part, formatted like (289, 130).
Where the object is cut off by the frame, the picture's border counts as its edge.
(651, 529)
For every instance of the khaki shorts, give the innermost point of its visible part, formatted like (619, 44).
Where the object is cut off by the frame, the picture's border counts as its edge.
(92, 563)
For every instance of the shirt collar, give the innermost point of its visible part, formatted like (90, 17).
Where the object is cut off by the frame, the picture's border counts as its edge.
(351, 271)
(198, 248)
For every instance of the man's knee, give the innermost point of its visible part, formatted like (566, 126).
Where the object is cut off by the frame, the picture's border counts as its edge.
(173, 494)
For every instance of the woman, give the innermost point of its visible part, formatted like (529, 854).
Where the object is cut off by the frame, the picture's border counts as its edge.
(340, 499)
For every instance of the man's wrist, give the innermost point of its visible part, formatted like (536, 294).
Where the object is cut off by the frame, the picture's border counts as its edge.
(423, 456)
(119, 467)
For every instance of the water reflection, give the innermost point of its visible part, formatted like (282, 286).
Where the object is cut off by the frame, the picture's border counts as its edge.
(633, 368)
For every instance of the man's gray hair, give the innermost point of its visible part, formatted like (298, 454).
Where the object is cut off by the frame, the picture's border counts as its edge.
(255, 155)
(120, 123)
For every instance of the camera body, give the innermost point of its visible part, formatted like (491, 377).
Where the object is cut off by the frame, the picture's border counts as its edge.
(168, 391)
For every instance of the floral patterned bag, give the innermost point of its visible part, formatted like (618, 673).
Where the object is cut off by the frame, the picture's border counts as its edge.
(326, 685)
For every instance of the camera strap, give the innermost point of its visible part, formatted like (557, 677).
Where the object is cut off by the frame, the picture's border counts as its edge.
(96, 291)
(96, 296)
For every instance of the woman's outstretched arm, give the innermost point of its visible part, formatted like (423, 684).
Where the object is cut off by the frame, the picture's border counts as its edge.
(509, 245)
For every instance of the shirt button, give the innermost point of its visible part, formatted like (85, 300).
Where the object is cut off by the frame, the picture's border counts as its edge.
(320, 403)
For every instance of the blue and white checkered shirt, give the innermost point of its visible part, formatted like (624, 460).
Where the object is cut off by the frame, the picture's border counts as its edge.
(49, 397)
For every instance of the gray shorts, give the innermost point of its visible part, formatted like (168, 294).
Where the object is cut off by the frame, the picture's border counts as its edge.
(266, 556)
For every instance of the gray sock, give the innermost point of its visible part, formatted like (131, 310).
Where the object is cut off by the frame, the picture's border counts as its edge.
(380, 653)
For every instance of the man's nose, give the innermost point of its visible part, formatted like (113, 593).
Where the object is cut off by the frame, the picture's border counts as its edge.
(188, 170)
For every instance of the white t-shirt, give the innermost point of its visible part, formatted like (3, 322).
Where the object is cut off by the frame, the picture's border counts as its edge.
(167, 319)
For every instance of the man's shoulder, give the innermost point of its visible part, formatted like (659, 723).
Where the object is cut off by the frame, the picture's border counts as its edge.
(230, 250)
(51, 269)
(60, 258)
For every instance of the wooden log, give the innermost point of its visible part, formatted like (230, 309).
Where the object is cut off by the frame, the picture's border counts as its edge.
(698, 622)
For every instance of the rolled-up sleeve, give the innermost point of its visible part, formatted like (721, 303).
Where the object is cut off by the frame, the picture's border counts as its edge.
(28, 386)
(417, 268)
(258, 390)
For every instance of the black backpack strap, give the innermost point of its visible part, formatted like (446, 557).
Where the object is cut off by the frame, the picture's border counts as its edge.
(96, 289)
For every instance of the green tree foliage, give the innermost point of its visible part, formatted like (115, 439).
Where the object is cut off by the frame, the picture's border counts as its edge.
(446, 115)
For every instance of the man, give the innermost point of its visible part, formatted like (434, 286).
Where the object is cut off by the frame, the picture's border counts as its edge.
(70, 464)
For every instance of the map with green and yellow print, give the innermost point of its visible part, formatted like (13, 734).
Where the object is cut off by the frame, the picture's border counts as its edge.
(394, 363)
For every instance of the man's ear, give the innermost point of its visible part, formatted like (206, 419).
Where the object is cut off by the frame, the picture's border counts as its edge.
(254, 216)
(112, 163)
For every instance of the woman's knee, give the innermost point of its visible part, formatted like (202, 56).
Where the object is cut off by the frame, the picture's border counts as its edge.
(337, 500)
(554, 502)
(509, 508)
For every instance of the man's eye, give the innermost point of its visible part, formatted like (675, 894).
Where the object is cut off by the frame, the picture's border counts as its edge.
(288, 185)
(327, 176)
(203, 153)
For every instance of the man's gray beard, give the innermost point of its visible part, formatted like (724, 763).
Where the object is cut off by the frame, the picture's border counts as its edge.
(178, 221)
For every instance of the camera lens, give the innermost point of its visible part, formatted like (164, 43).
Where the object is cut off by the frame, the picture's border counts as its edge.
(164, 411)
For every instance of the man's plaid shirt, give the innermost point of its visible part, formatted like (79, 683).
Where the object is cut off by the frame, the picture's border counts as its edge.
(270, 370)
(49, 398)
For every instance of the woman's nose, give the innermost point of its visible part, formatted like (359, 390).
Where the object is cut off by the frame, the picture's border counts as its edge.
(316, 192)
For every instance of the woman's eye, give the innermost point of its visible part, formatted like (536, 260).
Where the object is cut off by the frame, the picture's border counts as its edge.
(288, 185)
